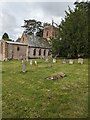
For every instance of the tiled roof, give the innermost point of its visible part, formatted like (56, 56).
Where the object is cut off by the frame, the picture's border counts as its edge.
(17, 43)
(37, 41)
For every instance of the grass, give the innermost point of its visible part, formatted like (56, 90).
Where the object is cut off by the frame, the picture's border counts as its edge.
(31, 95)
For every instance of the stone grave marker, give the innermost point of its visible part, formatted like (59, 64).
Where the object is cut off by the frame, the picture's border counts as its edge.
(35, 62)
(54, 60)
(64, 61)
(50, 61)
(23, 65)
(46, 59)
(71, 61)
(30, 62)
(80, 60)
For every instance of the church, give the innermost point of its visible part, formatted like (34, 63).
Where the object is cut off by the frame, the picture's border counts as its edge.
(28, 46)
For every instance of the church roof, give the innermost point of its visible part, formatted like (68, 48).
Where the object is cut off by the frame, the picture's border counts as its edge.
(18, 40)
(17, 43)
(37, 41)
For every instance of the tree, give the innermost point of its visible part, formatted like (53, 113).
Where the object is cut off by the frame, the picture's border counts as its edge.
(33, 27)
(74, 31)
(55, 43)
(6, 37)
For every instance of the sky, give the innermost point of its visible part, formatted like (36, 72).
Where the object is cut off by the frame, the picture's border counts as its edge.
(13, 14)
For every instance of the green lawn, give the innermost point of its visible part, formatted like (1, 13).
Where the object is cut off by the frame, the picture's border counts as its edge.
(31, 95)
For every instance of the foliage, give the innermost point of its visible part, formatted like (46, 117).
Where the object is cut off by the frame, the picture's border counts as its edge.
(33, 27)
(74, 31)
(55, 43)
(6, 37)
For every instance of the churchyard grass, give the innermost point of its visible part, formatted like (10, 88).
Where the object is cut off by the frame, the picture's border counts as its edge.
(31, 95)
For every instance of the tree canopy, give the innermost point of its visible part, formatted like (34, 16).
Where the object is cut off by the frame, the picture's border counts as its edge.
(33, 27)
(74, 31)
(5, 36)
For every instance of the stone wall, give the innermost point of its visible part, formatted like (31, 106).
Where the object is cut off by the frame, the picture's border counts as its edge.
(24, 39)
(37, 52)
(13, 50)
(3, 50)
(16, 51)
(50, 32)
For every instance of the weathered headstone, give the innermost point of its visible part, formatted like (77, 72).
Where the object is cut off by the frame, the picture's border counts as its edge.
(50, 61)
(64, 61)
(54, 60)
(35, 62)
(30, 62)
(71, 61)
(80, 60)
(24, 65)
(46, 60)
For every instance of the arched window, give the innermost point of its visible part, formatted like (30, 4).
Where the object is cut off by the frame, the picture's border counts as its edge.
(34, 52)
(44, 53)
(18, 48)
(39, 52)
(48, 53)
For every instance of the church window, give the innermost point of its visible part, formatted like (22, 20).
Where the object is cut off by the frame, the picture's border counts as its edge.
(34, 52)
(18, 48)
(39, 52)
(44, 52)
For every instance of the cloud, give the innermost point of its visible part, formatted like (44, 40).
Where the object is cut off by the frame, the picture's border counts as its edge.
(54, 8)
(13, 14)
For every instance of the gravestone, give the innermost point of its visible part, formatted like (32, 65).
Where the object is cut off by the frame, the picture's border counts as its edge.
(30, 62)
(54, 60)
(35, 62)
(23, 65)
(71, 61)
(46, 60)
(64, 61)
(80, 60)
(50, 61)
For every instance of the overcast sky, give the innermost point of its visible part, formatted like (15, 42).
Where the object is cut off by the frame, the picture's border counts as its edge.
(12, 14)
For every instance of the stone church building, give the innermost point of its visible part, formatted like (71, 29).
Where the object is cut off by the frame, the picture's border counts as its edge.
(27, 46)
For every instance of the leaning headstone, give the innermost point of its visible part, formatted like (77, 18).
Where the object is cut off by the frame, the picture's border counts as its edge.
(30, 62)
(35, 62)
(46, 59)
(50, 61)
(71, 61)
(80, 60)
(54, 60)
(64, 61)
(23, 65)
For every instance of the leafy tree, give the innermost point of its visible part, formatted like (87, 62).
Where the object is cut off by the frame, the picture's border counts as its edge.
(74, 31)
(55, 43)
(33, 27)
(6, 37)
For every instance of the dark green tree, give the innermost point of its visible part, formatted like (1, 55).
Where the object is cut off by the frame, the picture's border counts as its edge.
(6, 37)
(33, 27)
(55, 44)
(74, 31)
